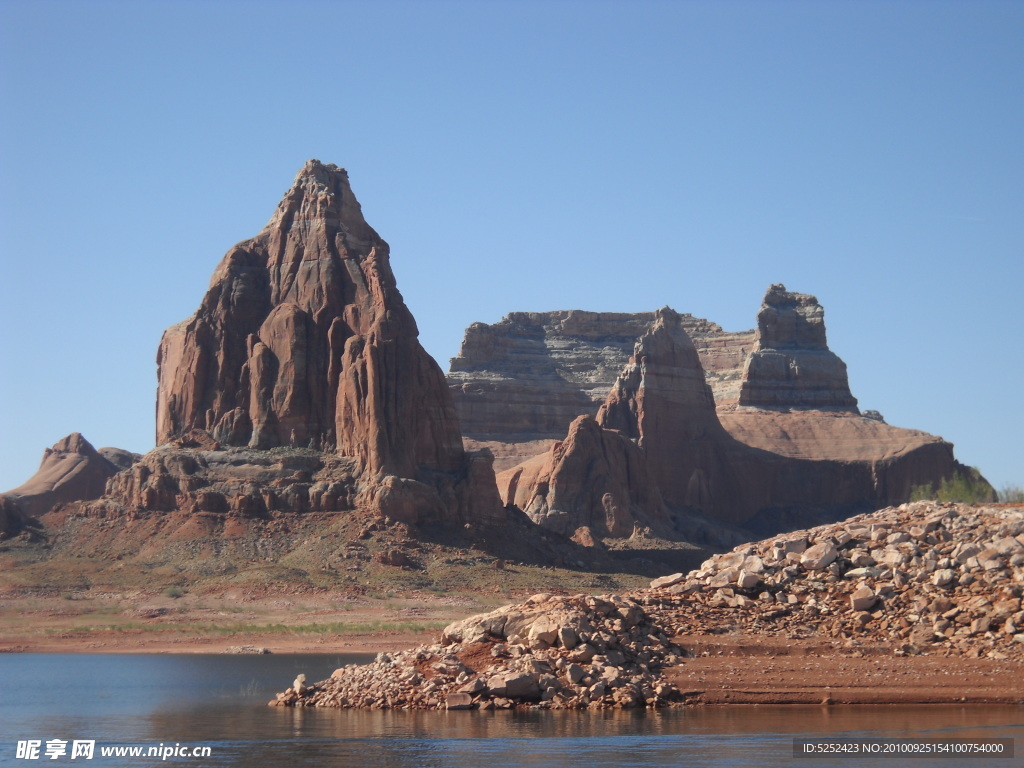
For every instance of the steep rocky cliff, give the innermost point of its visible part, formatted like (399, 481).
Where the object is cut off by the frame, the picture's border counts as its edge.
(528, 376)
(658, 456)
(791, 365)
(300, 385)
(303, 340)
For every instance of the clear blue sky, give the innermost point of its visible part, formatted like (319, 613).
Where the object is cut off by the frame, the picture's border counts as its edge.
(523, 156)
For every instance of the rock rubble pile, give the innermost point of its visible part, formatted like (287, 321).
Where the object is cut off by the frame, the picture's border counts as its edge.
(922, 577)
(549, 652)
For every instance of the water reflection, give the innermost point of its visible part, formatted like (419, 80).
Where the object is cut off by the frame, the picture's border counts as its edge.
(221, 701)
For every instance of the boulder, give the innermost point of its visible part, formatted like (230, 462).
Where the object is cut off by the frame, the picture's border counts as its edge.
(458, 701)
(667, 581)
(863, 598)
(819, 556)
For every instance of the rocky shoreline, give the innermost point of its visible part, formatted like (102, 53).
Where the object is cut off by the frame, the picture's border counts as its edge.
(922, 579)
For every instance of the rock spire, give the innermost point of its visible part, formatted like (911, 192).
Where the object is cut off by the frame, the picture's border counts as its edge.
(304, 340)
(791, 365)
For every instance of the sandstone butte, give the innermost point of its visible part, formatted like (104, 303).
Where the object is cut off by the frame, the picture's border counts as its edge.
(303, 344)
(303, 340)
(756, 430)
(299, 385)
(72, 470)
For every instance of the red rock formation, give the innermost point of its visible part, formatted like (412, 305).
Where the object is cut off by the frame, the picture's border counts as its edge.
(72, 470)
(303, 340)
(528, 376)
(791, 366)
(656, 444)
(680, 466)
(662, 401)
(595, 478)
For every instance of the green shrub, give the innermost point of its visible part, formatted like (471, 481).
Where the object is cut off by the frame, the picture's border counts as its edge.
(968, 487)
(174, 592)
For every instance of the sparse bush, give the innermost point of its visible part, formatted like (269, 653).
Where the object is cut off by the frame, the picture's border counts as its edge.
(1011, 494)
(967, 487)
(174, 592)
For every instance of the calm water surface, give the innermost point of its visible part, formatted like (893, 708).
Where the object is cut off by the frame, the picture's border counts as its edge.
(220, 701)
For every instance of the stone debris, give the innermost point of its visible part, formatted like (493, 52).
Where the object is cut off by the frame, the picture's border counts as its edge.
(550, 652)
(253, 649)
(922, 578)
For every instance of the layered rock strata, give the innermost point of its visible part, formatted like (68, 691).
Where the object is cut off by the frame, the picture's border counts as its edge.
(657, 455)
(791, 365)
(528, 376)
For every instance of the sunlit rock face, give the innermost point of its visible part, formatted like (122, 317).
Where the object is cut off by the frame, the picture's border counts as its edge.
(304, 340)
(792, 366)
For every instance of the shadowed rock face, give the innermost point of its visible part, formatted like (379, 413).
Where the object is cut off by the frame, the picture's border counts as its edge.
(303, 340)
(662, 401)
(791, 366)
(658, 456)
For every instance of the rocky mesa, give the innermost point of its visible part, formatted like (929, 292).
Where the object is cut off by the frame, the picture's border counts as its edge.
(657, 455)
(768, 437)
(299, 388)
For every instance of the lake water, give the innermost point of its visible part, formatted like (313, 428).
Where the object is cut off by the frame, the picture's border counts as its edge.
(220, 701)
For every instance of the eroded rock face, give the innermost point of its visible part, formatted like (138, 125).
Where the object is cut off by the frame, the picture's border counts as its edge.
(72, 470)
(300, 385)
(656, 444)
(662, 401)
(303, 340)
(527, 377)
(657, 455)
(792, 366)
(595, 479)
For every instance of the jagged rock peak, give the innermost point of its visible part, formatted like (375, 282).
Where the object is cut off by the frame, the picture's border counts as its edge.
(303, 339)
(792, 366)
(321, 194)
(665, 371)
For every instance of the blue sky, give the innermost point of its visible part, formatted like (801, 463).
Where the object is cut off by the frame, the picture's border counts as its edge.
(523, 156)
